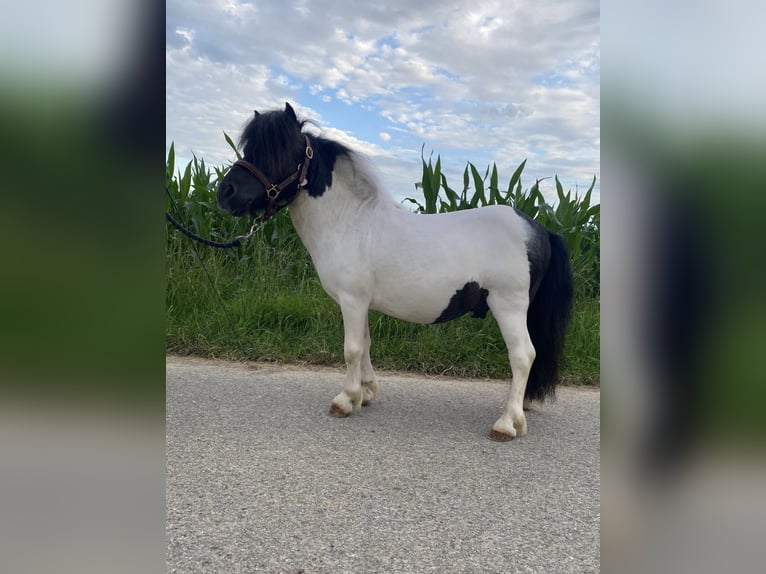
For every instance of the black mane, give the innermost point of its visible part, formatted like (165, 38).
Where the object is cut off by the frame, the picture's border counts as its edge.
(274, 142)
(326, 152)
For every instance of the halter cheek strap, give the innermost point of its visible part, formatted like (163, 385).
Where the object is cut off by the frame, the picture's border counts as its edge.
(273, 190)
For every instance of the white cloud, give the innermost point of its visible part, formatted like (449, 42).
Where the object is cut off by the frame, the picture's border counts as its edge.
(479, 80)
(187, 35)
(360, 146)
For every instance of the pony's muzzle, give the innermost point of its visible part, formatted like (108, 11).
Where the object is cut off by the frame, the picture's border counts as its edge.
(227, 190)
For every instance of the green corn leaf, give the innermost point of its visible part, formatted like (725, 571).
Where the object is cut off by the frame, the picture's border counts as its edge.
(550, 217)
(185, 181)
(564, 214)
(586, 199)
(541, 207)
(466, 182)
(170, 165)
(534, 192)
(464, 204)
(220, 172)
(494, 192)
(478, 184)
(435, 184)
(452, 195)
(562, 198)
(425, 182)
(518, 194)
(574, 242)
(231, 145)
(420, 209)
(515, 178)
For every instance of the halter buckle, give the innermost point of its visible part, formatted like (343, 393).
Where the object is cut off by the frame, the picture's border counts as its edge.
(272, 191)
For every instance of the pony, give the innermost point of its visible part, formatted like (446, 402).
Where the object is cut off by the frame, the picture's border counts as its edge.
(370, 252)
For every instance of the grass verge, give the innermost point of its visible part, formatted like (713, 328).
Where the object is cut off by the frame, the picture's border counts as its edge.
(273, 308)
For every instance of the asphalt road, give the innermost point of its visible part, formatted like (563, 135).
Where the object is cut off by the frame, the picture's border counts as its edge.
(260, 479)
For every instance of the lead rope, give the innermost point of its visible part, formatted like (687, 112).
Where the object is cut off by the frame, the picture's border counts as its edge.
(258, 222)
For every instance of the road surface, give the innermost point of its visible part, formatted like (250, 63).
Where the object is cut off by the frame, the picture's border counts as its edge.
(260, 479)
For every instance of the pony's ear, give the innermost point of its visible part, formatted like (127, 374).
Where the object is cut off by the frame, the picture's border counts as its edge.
(255, 113)
(290, 111)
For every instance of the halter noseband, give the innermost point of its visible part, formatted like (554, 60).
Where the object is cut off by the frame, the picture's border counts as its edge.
(273, 190)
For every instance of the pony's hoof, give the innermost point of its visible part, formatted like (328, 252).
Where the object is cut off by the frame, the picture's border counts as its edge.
(338, 412)
(369, 393)
(500, 436)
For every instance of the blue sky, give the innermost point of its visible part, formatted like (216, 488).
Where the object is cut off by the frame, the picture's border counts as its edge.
(481, 81)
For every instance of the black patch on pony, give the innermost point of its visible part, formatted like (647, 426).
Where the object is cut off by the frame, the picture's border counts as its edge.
(470, 298)
(538, 253)
(326, 153)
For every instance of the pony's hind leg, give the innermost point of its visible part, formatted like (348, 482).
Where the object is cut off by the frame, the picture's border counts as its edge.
(369, 379)
(512, 319)
(350, 398)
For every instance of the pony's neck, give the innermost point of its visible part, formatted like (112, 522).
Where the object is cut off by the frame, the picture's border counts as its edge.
(314, 213)
(348, 202)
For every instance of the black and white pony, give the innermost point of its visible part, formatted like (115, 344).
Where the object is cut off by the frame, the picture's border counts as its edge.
(372, 253)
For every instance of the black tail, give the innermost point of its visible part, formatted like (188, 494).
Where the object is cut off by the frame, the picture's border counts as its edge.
(547, 320)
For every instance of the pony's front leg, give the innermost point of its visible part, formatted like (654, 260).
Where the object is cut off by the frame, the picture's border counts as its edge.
(354, 326)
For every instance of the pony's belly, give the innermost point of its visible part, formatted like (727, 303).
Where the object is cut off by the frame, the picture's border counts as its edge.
(432, 305)
(407, 312)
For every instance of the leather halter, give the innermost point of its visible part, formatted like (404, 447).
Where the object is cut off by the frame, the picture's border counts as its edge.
(273, 190)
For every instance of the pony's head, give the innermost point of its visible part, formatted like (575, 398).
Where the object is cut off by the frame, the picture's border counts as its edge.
(275, 161)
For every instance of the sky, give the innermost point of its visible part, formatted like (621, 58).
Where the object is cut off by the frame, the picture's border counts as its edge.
(481, 81)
